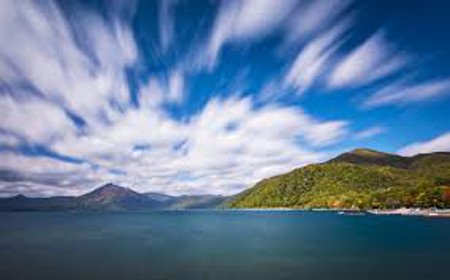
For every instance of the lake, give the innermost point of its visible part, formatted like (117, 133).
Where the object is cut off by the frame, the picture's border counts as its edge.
(222, 245)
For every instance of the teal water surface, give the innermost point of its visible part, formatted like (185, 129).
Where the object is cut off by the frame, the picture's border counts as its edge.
(222, 245)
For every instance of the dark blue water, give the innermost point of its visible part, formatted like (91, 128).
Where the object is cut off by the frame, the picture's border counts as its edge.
(222, 245)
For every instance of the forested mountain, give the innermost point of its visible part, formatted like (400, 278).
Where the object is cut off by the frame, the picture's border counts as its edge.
(360, 179)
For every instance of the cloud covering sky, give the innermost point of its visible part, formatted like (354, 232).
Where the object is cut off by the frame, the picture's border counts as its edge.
(196, 97)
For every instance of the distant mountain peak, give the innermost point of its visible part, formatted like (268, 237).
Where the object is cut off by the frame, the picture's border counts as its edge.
(111, 186)
(110, 191)
(113, 197)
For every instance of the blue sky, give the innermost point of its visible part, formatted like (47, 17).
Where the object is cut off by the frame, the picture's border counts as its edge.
(187, 97)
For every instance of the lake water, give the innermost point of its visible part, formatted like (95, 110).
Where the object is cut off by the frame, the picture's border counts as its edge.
(222, 245)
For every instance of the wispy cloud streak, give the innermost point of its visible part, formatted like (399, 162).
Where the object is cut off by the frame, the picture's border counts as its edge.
(404, 93)
(372, 60)
(246, 20)
(438, 144)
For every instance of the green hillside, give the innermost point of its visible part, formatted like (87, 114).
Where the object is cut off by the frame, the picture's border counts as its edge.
(361, 179)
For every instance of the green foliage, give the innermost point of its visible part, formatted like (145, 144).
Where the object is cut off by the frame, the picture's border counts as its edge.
(362, 179)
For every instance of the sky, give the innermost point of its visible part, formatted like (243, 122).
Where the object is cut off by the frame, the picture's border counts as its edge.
(209, 97)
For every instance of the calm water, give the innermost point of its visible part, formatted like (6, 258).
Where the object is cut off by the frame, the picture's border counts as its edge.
(222, 245)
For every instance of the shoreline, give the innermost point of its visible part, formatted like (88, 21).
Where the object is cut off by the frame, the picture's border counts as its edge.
(413, 212)
(423, 212)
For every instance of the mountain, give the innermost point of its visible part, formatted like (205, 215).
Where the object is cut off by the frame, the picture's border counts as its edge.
(359, 179)
(110, 197)
(113, 197)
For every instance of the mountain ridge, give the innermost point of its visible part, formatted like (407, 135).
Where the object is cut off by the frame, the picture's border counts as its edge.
(109, 197)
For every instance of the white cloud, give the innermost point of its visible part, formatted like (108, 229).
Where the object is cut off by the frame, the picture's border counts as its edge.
(35, 120)
(323, 134)
(54, 64)
(370, 132)
(34, 189)
(438, 144)
(232, 143)
(166, 22)
(227, 146)
(314, 16)
(34, 165)
(401, 92)
(312, 59)
(176, 87)
(369, 62)
(44, 176)
(151, 94)
(159, 91)
(77, 65)
(8, 140)
(77, 62)
(246, 20)
(109, 145)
